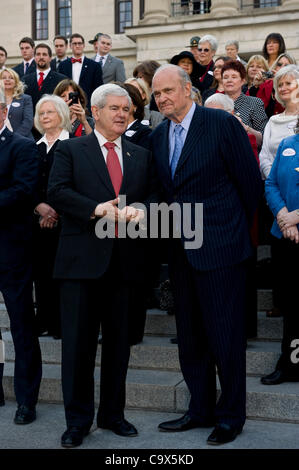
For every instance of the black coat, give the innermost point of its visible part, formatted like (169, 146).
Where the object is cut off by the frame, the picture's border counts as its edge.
(78, 182)
(48, 86)
(91, 76)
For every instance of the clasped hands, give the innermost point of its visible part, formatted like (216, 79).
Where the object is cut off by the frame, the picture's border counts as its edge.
(48, 216)
(287, 222)
(110, 211)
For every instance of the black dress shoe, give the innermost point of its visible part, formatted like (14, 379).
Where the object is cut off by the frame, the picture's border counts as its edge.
(2, 401)
(174, 340)
(222, 434)
(278, 377)
(121, 428)
(73, 436)
(25, 415)
(184, 424)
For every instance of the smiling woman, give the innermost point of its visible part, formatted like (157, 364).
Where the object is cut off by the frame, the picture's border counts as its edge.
(20, 109)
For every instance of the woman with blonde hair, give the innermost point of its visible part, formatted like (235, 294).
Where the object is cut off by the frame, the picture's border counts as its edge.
(20, 109)
(262, 86)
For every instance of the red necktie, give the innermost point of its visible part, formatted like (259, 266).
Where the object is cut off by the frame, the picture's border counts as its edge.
(76, 60)
(113, 167)
(40, 80)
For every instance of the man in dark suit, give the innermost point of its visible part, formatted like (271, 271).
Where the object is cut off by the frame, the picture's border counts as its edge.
(60, 45)
(27, 50)
(97, 273)
(43, 80)
(85, 72)
(18, 179)
(204, 156)
(113, 68)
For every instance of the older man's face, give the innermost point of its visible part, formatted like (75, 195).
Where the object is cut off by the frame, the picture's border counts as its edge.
(206, 53)
(231, 51)
(112, 120)
(172, 97)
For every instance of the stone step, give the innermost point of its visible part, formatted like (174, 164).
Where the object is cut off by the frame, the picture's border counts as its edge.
(166, 391)
(159, 323)
(157, 353)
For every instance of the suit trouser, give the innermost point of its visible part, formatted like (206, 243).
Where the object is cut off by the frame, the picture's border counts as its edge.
(286, 264)
(16, 287)
(85, 304)
(210, 317)
(45, 243)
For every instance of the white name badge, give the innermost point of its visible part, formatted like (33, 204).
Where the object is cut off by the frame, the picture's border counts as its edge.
(130, 133)
(288, 152)
(15, 105)
(210, 72)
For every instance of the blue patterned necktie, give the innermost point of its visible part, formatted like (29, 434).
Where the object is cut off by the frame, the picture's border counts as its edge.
(101, 61)
(178, 145)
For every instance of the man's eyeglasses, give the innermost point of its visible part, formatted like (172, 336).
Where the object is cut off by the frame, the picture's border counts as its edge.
(203, 50)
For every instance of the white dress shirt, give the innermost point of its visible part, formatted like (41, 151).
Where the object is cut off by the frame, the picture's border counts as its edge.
(98, 57)
(45, 72)
(76, 70)
(62, 136)
(27, 62)
(118, 148)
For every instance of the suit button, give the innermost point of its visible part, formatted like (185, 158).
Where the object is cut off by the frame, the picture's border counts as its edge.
(175, 197)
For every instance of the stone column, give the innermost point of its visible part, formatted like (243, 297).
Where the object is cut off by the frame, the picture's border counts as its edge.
(224, 7)
(156, 11)
(288, 4)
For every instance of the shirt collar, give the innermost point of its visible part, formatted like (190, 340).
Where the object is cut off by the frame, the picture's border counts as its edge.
(28, 61)
(102, 140)
(186, 121)
(82, 58)
(62, 136)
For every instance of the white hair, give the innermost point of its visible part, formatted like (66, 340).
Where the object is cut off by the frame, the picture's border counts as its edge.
(100, 94)
(62, 109)
(232, 42)
(224, 101)
(289, 70)
(211, 39)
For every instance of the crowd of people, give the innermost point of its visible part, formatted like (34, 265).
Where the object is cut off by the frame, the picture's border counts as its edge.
(76, 134)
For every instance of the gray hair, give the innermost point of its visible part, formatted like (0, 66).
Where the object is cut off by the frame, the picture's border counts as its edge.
(224, 101)
(184, 77)
(232, 42)
(62, 109)
(100, 94)
(289, 70)
(211, 39)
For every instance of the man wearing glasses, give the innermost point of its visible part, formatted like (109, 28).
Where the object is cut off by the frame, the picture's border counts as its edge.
(85, 72)
(207, 47)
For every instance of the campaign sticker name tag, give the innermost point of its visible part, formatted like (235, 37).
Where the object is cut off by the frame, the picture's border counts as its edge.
(130, 133)
(288, 152)
(15, 105)
(210, 72)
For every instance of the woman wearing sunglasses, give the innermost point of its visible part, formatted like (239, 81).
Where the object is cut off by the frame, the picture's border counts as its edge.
(207, 47)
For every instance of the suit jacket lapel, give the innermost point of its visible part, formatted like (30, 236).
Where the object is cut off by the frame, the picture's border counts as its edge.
(194, 133)
(84, 70)
(96, 158)
(164, 151)
(129, 162)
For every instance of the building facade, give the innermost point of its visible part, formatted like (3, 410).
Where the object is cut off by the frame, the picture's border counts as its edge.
(150, 29)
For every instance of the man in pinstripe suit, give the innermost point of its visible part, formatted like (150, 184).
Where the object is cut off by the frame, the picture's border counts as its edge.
(204, 156)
